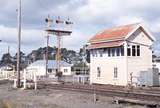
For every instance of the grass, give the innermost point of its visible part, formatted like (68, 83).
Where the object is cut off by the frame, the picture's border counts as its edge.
(5, 105)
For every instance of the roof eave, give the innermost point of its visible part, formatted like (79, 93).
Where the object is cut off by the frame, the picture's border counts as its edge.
(145, 30)
(107, 40)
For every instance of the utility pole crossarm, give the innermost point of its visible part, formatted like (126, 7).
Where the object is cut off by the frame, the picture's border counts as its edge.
(58, 32)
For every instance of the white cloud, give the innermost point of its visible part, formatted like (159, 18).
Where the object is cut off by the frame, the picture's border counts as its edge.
(89, 16)
(29, 36)
(30, 39)
(128, 20)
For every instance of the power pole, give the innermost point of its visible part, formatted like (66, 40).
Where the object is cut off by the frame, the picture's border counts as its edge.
(19, 44)
(47, 54)
(49, 22)
(58, 55)
(8, 49)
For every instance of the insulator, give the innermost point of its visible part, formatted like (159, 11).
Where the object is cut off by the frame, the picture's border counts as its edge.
(46, 20)
(59, 21)
(68, 22)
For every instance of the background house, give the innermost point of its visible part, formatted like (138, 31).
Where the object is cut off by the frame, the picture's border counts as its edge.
(39, 67)
(122, 55)
(156, 65)
(7, 71)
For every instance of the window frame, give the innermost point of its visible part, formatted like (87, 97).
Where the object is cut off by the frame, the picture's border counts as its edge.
(129, 51)
(101, 53)
(113, 52)
(133, 50)
(50, 70)
(138, 50)
(109, 52)
(122, 50)
(65, 70)
(117, 51)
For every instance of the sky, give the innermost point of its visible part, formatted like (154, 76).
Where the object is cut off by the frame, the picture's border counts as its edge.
(88, 16)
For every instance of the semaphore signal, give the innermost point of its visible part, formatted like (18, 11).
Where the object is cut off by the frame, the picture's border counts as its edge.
(59, 33)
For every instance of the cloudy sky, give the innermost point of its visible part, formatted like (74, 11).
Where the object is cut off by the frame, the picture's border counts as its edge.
(89, 17)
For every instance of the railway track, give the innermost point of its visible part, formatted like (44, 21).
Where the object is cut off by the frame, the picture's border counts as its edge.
(138, 94)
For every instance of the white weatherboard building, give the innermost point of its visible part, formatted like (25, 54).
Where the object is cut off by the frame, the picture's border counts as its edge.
(39, 67)
(7, 71)
(122, 55)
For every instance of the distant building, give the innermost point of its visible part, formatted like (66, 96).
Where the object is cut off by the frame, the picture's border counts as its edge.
(156, 65)
(7, 71)
(156, 59)
(122, 55)
(81, 73)
(39, 67)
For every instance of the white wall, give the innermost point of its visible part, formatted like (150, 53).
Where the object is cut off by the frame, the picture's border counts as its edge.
(68, 70)
(107, 65)
(41, 70)
(143, 63)
(140, 37)
(137, 65)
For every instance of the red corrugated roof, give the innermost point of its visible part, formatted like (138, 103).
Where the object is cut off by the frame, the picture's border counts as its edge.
(119, 32)
(105, 44)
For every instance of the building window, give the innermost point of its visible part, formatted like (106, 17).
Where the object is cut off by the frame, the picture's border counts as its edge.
(113, 52)
(122, 51)
(115, 72)
(109, 52)
(93, 54)
(117, 51)
(106, 51)
(65, 70)
(101, 53)
(96, 55)
(49, 70)
(138, 50)
(98, 72)
(128, 51)
(133, 50)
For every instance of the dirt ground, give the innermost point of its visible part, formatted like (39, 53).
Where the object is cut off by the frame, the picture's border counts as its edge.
(50, 98)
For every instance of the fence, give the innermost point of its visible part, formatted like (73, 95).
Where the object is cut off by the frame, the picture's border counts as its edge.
(6, 74)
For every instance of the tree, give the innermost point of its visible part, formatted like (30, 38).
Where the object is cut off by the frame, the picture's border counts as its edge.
(6, 59)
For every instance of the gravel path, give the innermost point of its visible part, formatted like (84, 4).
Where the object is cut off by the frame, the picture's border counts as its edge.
(49, 98)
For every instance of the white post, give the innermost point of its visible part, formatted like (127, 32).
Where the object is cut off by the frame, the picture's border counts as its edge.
(94, 95)
(78, 80)
(83, 79)
(126, 61)
(25, 80)
(35, 81)
(73, 79)
(6, 74)
(15, 83)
